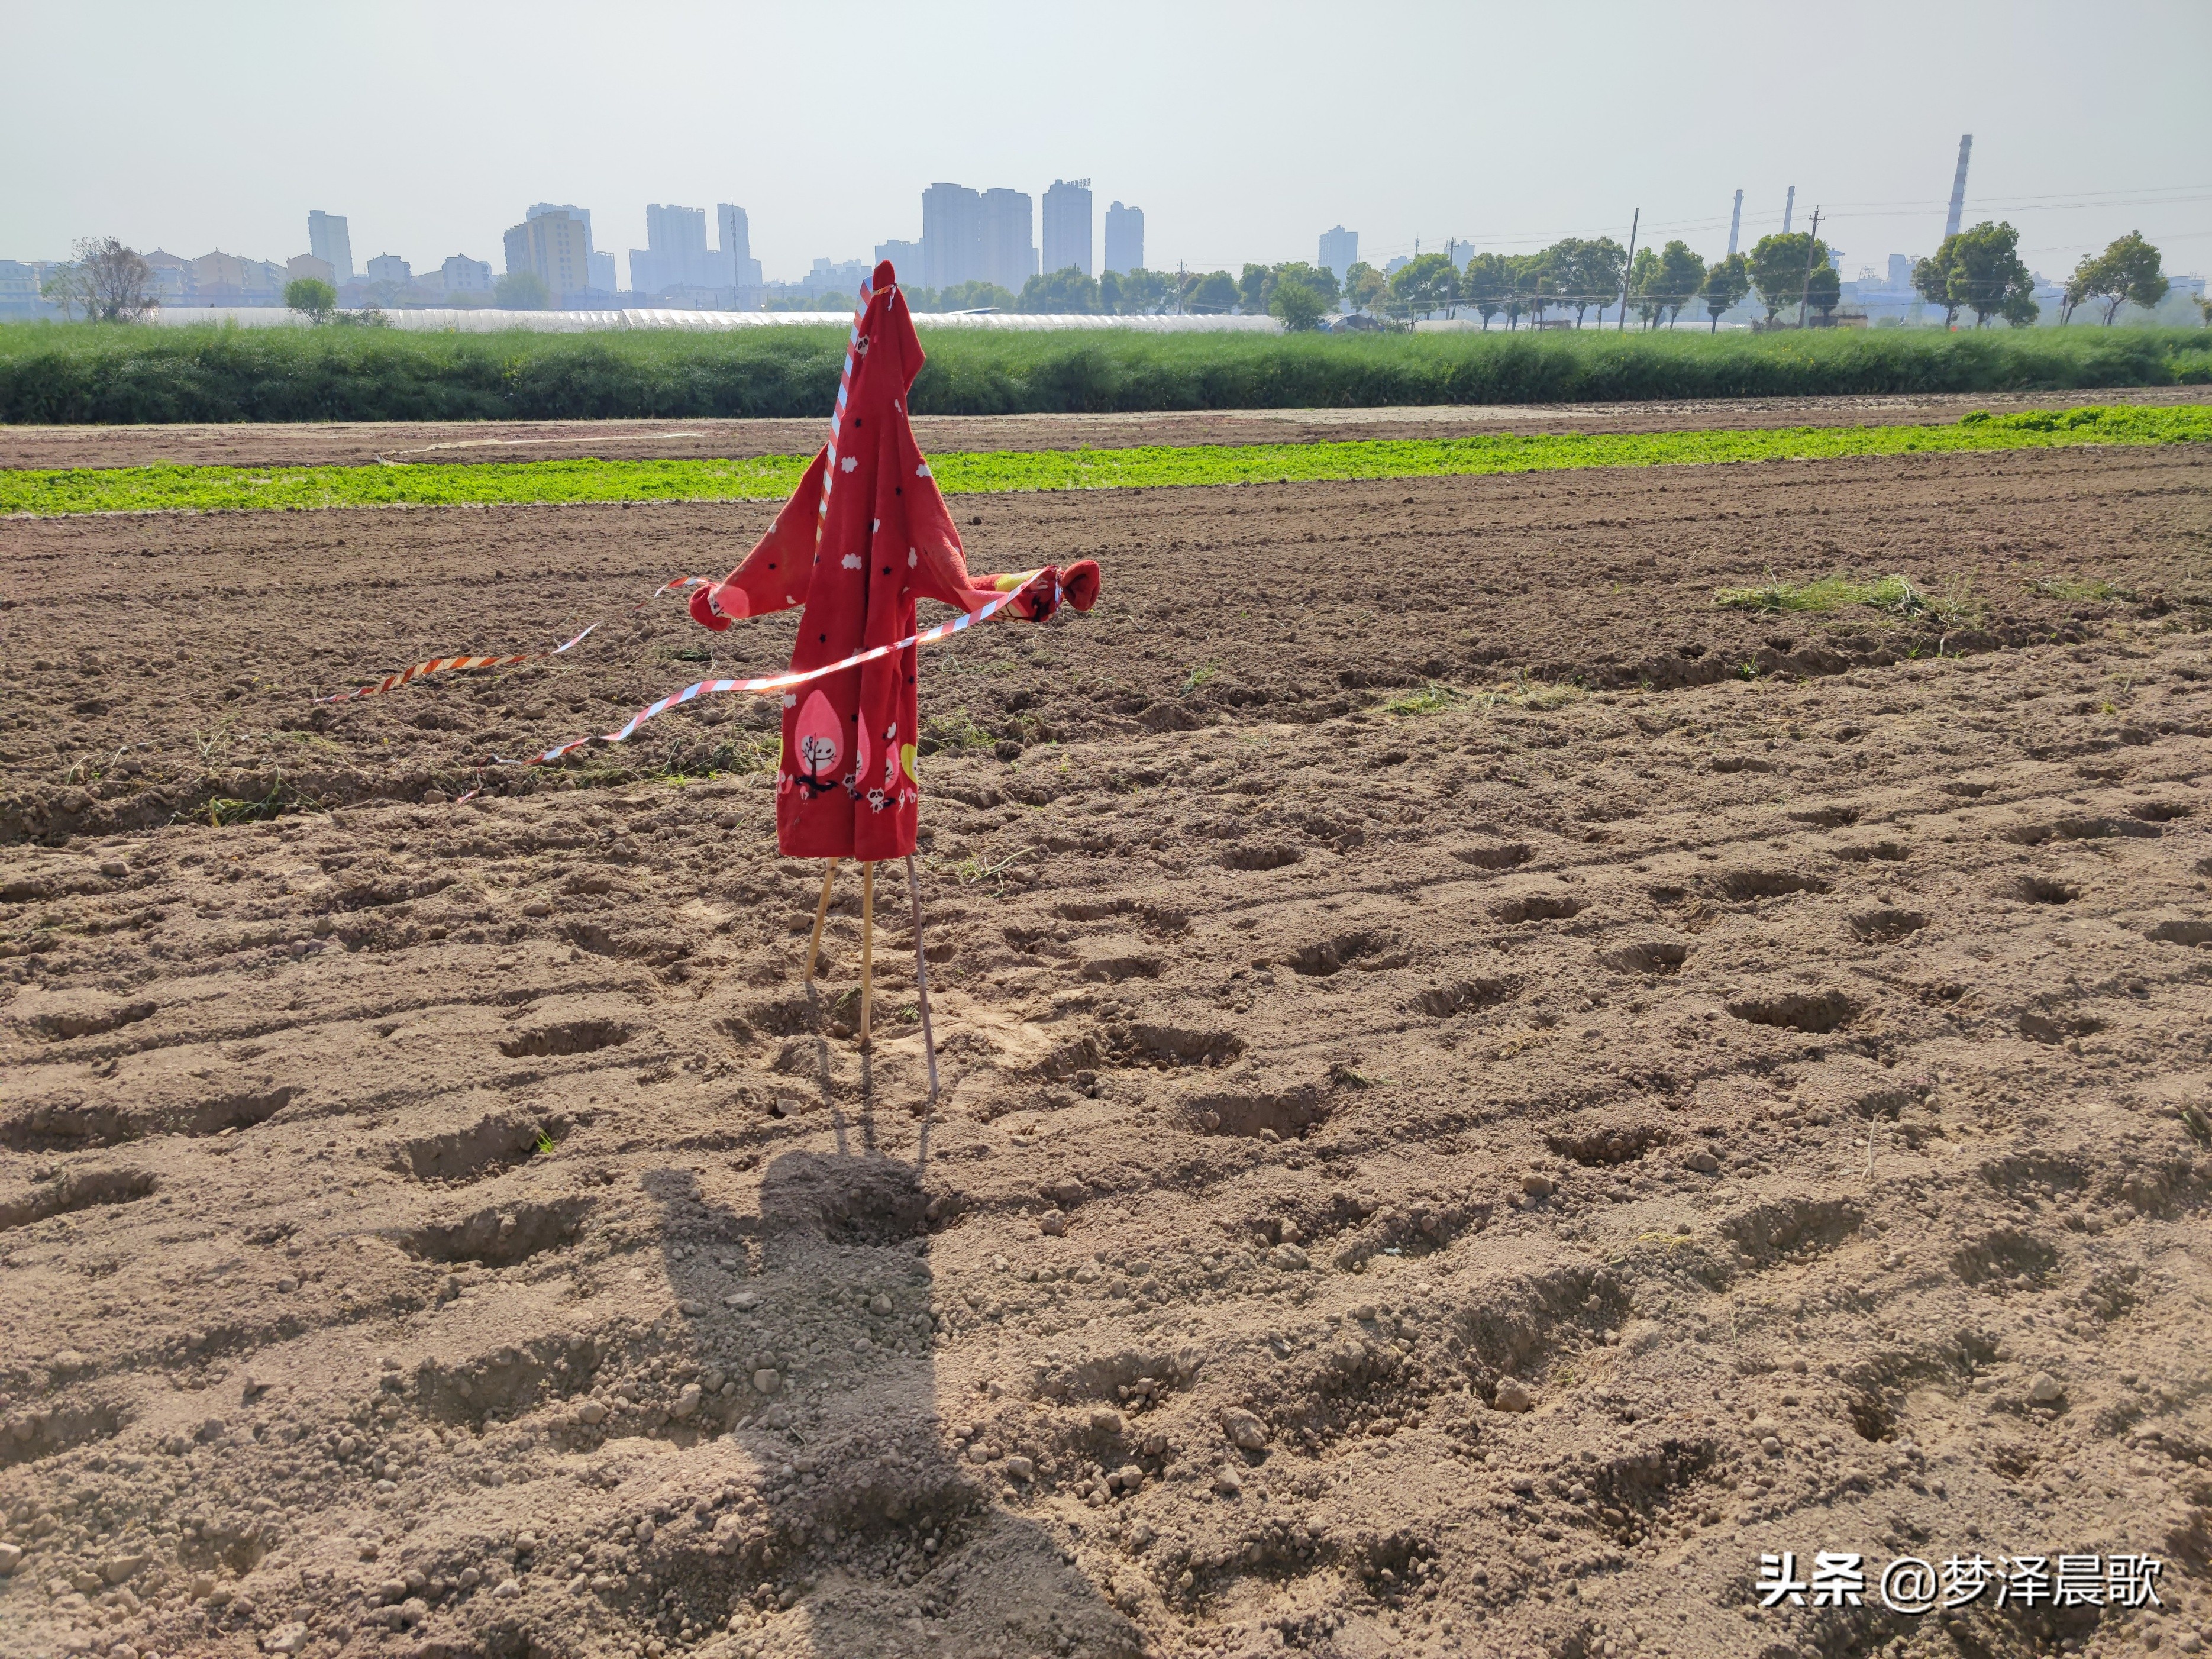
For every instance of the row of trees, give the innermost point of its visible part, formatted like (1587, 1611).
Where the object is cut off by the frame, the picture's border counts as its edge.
(1578, 276)
(1070, 293)
(1979, 270)
(2127, 272)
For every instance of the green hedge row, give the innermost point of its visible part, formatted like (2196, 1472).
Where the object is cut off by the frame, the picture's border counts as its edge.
(81, 373)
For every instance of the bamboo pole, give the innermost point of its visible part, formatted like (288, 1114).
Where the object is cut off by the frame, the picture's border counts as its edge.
(821, 914)
(922, 977)
(867, 945)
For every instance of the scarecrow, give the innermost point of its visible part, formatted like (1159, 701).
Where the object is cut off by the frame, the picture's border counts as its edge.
(864, 536)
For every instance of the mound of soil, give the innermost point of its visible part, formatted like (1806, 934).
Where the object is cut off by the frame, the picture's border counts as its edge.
(1417, 1171)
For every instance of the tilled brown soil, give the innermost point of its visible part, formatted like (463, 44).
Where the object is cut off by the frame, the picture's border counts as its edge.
(162, 661)
(1419, 1170)
(356, 444)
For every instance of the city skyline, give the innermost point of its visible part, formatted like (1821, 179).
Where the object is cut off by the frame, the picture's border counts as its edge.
(1013, 217)
(1176, 136)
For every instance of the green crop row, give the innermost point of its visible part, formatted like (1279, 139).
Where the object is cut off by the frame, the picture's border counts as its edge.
(138, 490)
(171, 488)
(87, 374)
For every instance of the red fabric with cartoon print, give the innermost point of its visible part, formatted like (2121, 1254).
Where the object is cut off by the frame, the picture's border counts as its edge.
(864, 536)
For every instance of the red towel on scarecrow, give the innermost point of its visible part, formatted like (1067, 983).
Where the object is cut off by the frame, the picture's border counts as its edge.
(864, 536)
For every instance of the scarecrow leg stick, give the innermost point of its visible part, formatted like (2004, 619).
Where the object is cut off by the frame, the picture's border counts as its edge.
(867, 944)
(821, 911)
(922, 977)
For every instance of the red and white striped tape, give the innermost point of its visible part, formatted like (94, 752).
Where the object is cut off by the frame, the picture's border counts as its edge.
(447, 664)
(844, 391)
(764, 683)
(774, 683)
(443, 664)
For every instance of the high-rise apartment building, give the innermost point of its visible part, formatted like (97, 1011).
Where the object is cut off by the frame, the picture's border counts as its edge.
(598, 268)
(740, 269)
(1340, 251)
(1010, 255)
(555, 248)
(1068, 226)
(1125, 239)
(970, 236)
(539, 210)
(676, 254)
(675, 250)
(951, 235)
(327, 240)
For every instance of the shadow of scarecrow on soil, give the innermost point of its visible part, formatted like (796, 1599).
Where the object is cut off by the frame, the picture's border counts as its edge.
(873, 1529)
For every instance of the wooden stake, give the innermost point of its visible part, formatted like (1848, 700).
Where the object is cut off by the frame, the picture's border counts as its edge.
(821, 911)
(922, 977)
(867, 945)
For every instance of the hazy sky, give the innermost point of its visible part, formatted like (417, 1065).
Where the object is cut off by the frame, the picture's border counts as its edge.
(1242, 129)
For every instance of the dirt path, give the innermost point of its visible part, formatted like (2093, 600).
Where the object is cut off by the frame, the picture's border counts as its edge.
(1453, 1182)
(430, 442)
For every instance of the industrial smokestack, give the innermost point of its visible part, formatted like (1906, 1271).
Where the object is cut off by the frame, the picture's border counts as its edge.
(1736, 224)
(1959, 186)
(1789, 207)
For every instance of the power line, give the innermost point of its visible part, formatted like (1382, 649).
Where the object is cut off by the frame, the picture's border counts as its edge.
(2088, 196)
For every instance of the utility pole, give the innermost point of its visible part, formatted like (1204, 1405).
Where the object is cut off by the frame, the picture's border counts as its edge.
(1180, 279)
(1736, 224)
(1627, 274)
(1812, 247)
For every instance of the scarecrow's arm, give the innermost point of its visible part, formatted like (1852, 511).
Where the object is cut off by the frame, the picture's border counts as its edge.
(938, 565)
(774, 575)
(1078, 584)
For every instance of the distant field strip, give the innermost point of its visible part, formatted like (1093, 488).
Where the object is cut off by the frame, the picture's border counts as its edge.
(209, 489)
